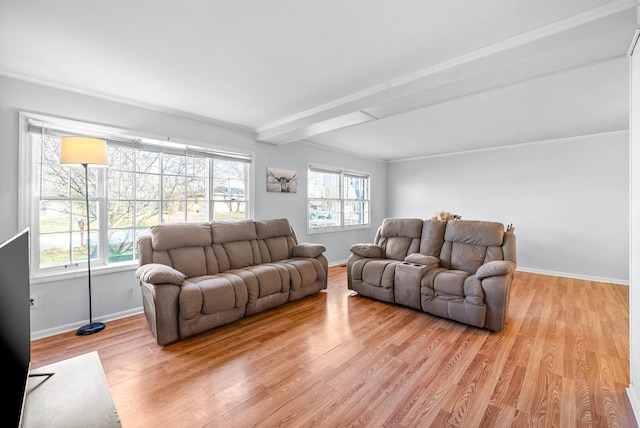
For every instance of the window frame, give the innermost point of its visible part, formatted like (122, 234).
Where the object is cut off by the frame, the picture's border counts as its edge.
(342, 199)
(28, 195)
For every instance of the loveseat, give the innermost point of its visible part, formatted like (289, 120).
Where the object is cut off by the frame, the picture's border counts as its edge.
(197, 276)
(457, 269)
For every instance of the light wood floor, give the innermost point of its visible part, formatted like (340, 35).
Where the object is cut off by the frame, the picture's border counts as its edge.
(338, 360)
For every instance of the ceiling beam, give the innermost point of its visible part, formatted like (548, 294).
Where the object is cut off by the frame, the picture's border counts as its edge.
(598, 35)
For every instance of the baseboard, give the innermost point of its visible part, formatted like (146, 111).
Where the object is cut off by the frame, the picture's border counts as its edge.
(41, 334)
(635, 403)
(574, 276)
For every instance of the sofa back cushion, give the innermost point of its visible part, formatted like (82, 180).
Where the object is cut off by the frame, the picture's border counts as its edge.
(183, 246)
(235, 244)
(432, 237)
(399, 237)
(468, 244)
(197, 249)
(276, 239)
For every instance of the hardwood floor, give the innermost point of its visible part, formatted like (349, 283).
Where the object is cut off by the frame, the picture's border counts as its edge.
(337, 359)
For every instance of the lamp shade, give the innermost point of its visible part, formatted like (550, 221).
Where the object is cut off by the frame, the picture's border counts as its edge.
(83, 150)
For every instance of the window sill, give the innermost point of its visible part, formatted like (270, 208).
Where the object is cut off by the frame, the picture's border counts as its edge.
(78, 273)
(336, 229)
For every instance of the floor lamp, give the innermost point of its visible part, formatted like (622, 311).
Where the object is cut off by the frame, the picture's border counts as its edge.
(85, 151)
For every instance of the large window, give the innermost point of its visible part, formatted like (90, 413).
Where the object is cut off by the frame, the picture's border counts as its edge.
(336, 199)
(147, 182)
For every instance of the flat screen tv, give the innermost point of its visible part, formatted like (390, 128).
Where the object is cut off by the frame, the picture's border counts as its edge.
(15, 323)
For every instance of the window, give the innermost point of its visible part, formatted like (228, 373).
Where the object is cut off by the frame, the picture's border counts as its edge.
(148, 182)
(337, 199)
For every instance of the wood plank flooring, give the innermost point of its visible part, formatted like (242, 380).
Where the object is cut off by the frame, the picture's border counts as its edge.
(337, 359)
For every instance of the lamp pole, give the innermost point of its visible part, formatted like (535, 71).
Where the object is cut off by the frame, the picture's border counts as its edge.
(92, 327)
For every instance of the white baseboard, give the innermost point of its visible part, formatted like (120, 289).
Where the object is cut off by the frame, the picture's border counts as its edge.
(41, 334)
(574, 276)
(635, 402)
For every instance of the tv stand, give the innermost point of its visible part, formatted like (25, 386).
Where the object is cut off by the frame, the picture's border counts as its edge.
(70, 393)
(48, 375)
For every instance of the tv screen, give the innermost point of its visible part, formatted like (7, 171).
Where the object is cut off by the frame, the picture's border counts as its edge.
(15, 323)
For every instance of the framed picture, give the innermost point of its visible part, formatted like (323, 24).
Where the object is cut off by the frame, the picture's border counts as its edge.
(282, 180)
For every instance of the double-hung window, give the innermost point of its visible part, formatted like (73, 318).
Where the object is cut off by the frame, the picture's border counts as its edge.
(337, 199)
(148, 181)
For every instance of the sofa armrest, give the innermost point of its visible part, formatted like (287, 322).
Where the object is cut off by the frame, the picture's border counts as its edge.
(422, 259)
(495, 268)
(367, 250)
(308, 250)
(156, 273)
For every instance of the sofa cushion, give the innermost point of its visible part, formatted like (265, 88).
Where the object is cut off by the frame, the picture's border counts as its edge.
(240, 254)
(211, 294)
(167, 236)
(421, 259)
(276, 240)
(275, 248)
(481, 233)
(495, 268)
(155, 273)
(367, 250)
(469, 244)
(432, 237)
(230, 231)
(270, 228)
(399, 237)
(450, 283)
(308, 250)
(191, 261)
(464, 257)
(380, 272)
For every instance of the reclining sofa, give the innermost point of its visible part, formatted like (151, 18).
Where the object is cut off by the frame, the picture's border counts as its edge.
(458, 269)
(197, 276)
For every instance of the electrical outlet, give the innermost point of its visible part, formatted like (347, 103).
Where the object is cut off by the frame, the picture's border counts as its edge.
(33, 301)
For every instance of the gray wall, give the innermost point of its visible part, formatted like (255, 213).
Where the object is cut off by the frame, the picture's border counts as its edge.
(568, 200)
(63, 304)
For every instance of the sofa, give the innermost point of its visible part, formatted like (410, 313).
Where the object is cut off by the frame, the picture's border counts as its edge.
(197, 276)
(461, 270)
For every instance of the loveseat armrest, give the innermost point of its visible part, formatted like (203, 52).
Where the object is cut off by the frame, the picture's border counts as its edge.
(156, 273)
(367, 250)
(422, 259)
(308, 250)
(495, 268)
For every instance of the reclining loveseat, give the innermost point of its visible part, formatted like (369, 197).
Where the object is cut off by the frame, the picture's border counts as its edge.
(457, 269)
(197, 276)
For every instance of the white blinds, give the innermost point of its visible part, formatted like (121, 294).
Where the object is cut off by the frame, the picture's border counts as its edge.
(63, 127)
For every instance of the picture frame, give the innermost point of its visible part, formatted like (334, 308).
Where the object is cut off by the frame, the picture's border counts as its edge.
(282, 180)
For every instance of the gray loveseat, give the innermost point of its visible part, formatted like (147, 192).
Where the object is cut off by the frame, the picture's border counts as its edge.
(458, 269)
(197, 276)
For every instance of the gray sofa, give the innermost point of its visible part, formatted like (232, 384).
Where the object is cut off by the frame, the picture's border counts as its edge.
(197, 276)
(458, 269)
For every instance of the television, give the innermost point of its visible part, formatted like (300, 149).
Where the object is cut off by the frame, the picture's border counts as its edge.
(15, 323)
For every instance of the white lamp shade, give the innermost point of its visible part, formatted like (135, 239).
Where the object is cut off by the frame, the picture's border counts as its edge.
(83, 150)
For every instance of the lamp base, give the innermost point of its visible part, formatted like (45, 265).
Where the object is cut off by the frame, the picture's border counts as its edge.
(88, 329)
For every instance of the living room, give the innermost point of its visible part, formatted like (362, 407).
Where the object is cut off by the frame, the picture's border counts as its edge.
(567, 192)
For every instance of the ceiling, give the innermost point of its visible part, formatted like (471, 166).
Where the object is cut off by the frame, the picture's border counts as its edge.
(385, 79)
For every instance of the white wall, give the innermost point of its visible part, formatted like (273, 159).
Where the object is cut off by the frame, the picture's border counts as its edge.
(63, 305)
(568, 200)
